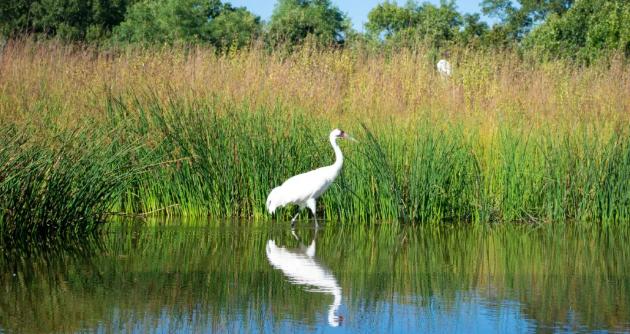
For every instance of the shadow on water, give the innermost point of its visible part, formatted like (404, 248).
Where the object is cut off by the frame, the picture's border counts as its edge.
(259, 277)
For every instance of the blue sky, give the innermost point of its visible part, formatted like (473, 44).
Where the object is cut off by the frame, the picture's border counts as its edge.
(357, 10)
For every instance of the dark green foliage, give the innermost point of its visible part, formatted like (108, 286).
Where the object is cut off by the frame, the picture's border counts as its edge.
(583, 31)
(473, 30)
(294, 20)
(90, 20)
(388, 18)
(235, 27)
(435, 25)
(14, 16)
(188, 21)
(586, 32)
(517, 19)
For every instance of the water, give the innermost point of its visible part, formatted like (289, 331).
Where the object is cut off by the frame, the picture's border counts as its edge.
(245, 277)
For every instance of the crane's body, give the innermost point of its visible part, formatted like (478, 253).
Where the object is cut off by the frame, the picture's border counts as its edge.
(444, 67)
(304, 189)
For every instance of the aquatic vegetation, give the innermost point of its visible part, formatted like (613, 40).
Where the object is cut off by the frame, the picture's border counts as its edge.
(65, 186)
(194, 133)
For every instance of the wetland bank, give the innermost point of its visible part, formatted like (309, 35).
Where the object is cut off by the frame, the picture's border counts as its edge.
(190, 132)
(496, 199)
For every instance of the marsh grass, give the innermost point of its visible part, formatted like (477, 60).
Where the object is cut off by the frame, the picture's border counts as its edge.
(66, 185)
(232, 155)
(192, 132)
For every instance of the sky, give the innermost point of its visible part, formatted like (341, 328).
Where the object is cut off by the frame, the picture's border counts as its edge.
(357, 10)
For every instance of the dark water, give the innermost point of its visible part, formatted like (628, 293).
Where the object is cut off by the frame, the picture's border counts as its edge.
(245, 277)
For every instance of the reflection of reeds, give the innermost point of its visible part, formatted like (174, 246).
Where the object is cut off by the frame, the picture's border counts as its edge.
(555, 275)
(502, 140)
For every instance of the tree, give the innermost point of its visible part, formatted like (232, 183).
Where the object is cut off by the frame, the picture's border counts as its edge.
(438, 24)
(141, 24)
(587, 31)
(387, 19)
(518, 19)
(188, 21)
(69, 19)
(426, 22)
(293, 20)
(14, 16)
(474, 30)
(234, 27)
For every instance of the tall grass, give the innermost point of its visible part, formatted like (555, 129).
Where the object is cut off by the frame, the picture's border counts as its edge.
(66, 185)
(72, 81)
(502, 140)
(232, 155)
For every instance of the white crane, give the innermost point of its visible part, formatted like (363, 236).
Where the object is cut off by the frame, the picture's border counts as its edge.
(444, 68)
(304, 189)
(302, 268)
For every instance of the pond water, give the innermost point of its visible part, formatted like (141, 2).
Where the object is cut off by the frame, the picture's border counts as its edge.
(259, 277)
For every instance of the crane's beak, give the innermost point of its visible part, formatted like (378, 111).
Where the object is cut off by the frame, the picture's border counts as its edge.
(347, 136)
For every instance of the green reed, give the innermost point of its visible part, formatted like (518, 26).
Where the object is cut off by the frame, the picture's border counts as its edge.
(228, 160)
(229, 156)
(65, 185)
(211, 157)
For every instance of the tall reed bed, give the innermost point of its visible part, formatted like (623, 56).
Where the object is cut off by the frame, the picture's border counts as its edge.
(228, 156)
(228, 159)
(502, 140)
(66, 185)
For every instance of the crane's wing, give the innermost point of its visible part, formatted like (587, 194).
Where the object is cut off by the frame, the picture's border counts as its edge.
(299, 188)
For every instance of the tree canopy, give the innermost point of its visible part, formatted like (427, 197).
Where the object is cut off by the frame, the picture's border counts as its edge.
(572, 29)
(427, 22)
(518, 17)
(89, 20)
(588, 30)
(190, 21)
(294, 20)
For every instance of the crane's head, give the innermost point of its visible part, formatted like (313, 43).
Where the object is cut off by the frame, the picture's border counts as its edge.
(335, 320)
(337, 133)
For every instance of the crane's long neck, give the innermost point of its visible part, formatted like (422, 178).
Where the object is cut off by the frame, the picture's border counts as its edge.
(338, 155)
(333, 318)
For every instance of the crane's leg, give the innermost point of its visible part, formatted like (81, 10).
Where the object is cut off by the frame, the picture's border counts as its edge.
(296, 236)
(310, 203)
(295, 218)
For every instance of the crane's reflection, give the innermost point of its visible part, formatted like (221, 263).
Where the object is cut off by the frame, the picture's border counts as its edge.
(302, 268)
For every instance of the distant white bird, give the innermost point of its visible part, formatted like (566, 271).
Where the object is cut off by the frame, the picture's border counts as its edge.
(302, 268)
(304, 189)
(444, 67)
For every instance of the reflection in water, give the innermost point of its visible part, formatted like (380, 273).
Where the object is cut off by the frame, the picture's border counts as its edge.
(404, 279)
(302, 268)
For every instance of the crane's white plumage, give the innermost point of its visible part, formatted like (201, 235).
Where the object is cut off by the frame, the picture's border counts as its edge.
(304, 189)
(302, 268)
(444, 67)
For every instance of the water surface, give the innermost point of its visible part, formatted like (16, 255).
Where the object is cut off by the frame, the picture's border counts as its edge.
(246, 277)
